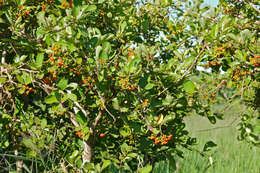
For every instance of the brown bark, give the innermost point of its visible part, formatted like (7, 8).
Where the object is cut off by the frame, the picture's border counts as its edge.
(88, 145)
(19, 163)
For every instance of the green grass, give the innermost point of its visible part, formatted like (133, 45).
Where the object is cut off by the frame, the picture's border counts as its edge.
(230, 156)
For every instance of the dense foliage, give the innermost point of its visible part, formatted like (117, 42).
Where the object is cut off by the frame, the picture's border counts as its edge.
(106, 84)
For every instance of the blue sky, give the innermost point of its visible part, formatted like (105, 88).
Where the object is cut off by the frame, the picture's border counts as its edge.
(211, 2)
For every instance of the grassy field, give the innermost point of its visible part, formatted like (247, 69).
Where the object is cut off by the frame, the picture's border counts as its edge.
(230, 156)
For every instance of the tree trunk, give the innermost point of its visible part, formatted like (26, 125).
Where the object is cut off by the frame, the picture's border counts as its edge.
(19, 163)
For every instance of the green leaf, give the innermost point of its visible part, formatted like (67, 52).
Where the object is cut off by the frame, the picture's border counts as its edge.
(43, 123)
(189, 87)
(72, 86)
(149, 86)
(41, 18)
(125, 148)
(29, 143)
(91, 8)
(98, 50)
(116, 104)
(3, 79)
(18, 58)
(168, 100)
(133, 65)
(105, 164)
(146, 169)
(72, 97)
(212, 119)
(39, 60)
(240, 55)
(74, 154)
(214, 31)
(209, 145)
(2, 20)
(122, 26)
(63, 83)
(26, 78)
(81, 118)
(143, 81)
(51, 99)
(125, 131)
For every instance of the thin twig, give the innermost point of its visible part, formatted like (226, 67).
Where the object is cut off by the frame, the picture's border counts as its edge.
(187, 71)
(103, 102)
(254, 7)
(221, 127)
(193, 63)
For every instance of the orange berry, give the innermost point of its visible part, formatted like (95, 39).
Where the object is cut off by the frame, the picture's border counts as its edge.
(131, 54)
(50, 2)
(157, 140)
(102, 135)
(169, 137)
(31, 90)
(152, 137)
(78, 134)
(64, 3)
(51, 59)
(84, 81)
(224, 83)
(26, 12)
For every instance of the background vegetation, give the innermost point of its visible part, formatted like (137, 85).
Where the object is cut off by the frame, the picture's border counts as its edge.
(109, 85)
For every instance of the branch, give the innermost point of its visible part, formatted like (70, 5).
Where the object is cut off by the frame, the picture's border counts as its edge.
(193, 64)
(82, 110)
(221, 127)
(231, 98)
(3, 60)
(73, 119)
(80, 107)
(254, 7)
(187, 71)
(103, 102)
(94, 125)
(59, 30)
(87, 145)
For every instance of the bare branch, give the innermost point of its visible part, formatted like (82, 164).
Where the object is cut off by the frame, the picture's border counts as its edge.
(3, 60)
(193, 63)
(80, 107)
(103, 102)
(94, 125)
(187, 71)
(73, 119)
(253, 6)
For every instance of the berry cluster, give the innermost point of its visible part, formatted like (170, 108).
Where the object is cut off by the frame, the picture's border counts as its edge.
(43, 5)
(81, 134)
(23, 12)
(28, 90)
(145, 103)
(163, 140)
(255, 61)
(66, 4)
(126, 85)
